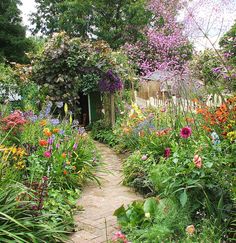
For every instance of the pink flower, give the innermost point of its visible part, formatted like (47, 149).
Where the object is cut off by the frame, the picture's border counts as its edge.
(197, 160)
(167, 153)
(119, 236)
(47, 154)
(185, 132)
(144, 157)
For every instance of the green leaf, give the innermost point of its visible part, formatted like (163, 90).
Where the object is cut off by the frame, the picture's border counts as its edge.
(121, 215)
(183, 198)
(150, 206)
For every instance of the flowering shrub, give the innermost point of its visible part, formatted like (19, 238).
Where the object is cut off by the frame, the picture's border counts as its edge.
(13, 123)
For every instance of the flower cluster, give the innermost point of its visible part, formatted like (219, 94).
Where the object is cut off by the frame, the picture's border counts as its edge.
(13, 155)
(15, 121)
(110, 82)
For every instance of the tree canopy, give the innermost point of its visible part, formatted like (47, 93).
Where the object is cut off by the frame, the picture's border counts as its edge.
(115, 22)
(13, 42)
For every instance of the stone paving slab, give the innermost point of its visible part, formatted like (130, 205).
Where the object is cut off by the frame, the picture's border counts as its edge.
(96, 223)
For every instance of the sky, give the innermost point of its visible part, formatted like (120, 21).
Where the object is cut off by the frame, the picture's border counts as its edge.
(214, 18)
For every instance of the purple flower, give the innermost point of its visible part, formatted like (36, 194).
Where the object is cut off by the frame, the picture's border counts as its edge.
(81, 130)
(110, 82)
(50, 141)
(57, 146)
(55, 122)
(61, 132)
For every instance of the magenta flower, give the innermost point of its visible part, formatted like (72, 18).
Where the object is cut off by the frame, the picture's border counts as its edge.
(47, 154)
(167, 153)
(75, 146)
(185, 132)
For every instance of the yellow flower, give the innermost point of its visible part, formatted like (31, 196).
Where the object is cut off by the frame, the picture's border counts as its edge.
(231, 136)
(13, 150)
(20, 165)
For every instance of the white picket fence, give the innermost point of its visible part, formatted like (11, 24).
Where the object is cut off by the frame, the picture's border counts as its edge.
(212, 101)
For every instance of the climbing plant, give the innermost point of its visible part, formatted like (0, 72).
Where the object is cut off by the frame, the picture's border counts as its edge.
(68, 66)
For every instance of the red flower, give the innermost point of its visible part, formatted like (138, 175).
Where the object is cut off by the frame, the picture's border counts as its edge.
(185, 132)
(167, 153)
(43, 143)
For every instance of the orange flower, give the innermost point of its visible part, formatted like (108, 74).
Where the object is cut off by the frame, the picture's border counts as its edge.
(43, 123)
(43, 143)
(206, 128)
(141, 133)
(65, 172)
(55, 130)
(46, 132)
(68, 162)
(63, 155)
(126, 130)
(189, 119)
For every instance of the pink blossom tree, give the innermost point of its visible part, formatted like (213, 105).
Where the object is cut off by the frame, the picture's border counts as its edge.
(166, 47)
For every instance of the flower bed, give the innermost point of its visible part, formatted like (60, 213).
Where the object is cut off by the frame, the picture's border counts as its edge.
(184, 163)
(44, 163)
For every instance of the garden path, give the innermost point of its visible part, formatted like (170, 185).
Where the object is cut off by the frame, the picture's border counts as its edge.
(96, 224)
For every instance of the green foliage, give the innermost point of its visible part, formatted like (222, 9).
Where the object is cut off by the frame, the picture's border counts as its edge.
(153, 220)
(67, 67)
(136, 169)
(103, 133)
(227, 43)
(18, 224)
(62, 204)
(22, 94)
(203, 64)
(122, 21)
(13, 42)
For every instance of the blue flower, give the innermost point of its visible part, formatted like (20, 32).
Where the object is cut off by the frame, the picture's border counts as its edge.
(55, 122)
(215, 138)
